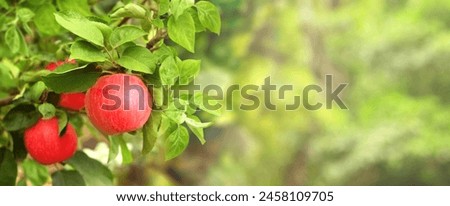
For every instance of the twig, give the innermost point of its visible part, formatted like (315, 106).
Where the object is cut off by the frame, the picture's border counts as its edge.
(124, 21)
(6, 101)
(160, 35)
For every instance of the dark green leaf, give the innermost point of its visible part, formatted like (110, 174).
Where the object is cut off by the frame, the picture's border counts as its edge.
(125, 34)
(35, 172)
(137, 58)
(8, 168)
(62, 121)
(209, 16)
(85, 51)
(79, 6)
(21, 117)
(182, 31)
(19, 150)
(47, 110)
(80, 26)
(177, 142)
(93, 172)
(45, 20)
(67, 178)
(189, 69)
(78, 80)
(168, 71)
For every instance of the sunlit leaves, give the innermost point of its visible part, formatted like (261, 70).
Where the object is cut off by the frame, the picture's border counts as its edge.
(83, 50)
(177, 142)
(80, 26)
(182, 31)
(209, 16)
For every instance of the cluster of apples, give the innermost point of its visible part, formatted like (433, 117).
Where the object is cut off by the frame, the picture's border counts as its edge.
(132, 109)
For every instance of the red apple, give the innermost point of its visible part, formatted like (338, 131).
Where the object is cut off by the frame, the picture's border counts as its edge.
(71, 101)
(118, 103)
(45, 145)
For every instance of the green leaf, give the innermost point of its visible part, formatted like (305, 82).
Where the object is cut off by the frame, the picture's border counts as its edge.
(166, 127)
(130, 10)
(93, 172)
(79, 6)
(4, 4)
(35, 172)
(8, 168)
(67, 178)
(163, 7)
(195, 122)
(47, 110)
(196, 127)
(168, 71)
(67, 68)
(85, 51)
(25, 15)
(78, 80)
(125, 34)
(127, 157)
(113, 148)
(21, 117)
(19, 150)
(179, 6)
(104, 28)
(209, 16)
(150, 132)
(63, 120)
(199, 101)
(45, 20)
(189, 69)
(182, 31)
(80, 26)
(178, 116)
(12, 39)
(7, 78)
(177, 142)
(198, 25)
(35, 91)
(137, 58)
(37, 2)
(158, 96)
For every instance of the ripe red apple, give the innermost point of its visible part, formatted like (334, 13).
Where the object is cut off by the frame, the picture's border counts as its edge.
(45, 145)
(71, 101)
(118, 103)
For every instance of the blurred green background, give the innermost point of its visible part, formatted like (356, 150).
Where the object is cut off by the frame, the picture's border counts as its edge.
(393, 53)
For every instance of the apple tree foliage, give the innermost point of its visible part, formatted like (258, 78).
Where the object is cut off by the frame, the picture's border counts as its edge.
(142, 38)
